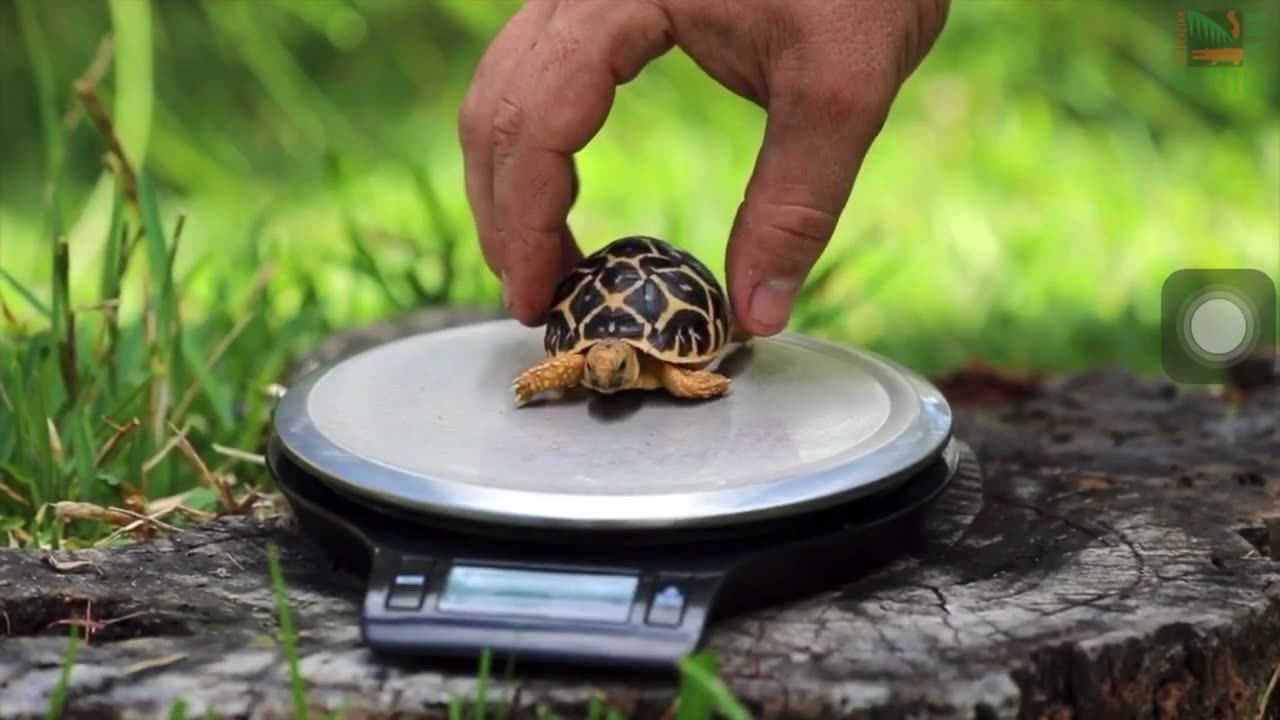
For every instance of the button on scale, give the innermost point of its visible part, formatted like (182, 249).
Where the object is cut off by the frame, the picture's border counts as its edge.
(667, 606)
(409, 586)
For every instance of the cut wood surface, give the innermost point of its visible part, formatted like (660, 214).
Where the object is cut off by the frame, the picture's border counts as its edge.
(1112, 561)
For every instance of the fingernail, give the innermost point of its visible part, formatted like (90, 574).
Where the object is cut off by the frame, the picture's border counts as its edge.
(506, 293)
(770, 304)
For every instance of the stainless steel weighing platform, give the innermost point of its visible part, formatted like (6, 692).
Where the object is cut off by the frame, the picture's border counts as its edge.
(592, 529)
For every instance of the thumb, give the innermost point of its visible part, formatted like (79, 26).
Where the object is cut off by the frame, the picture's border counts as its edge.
(814, 144)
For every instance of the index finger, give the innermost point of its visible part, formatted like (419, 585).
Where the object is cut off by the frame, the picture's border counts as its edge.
(553, 104)
(475, 116)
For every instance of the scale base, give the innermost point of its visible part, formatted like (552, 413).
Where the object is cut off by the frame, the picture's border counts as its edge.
(453, 592)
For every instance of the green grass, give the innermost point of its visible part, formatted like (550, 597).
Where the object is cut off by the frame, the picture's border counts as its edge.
(115, 414)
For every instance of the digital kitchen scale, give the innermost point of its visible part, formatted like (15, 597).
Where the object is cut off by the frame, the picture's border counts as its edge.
(603, 530)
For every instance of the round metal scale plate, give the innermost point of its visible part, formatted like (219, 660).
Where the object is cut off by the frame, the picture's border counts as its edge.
(428, 424)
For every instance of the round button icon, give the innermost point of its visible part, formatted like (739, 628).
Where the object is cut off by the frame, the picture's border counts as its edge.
(1212, 319)
(1219, 325)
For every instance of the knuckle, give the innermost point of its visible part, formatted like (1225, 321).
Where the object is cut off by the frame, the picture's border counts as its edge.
(471, 123)
(794, 235)
(802, 223)
(857, 100)
(841, 97)
(507, 123)
(860, 100)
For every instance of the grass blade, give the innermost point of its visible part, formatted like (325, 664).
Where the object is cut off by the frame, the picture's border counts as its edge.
(161, 345)
(701, 691)
(508, 675)
(26, 294)
(85, 455)
(30, 409)
(443, 235)
(157, 258)
(287, 636)
(58, 698)
(42, 70)
(366, 261)
(65, 321)
(109, 281)
(482, 684)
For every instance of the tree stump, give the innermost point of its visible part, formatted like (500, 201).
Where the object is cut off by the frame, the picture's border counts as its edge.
(1114, 559)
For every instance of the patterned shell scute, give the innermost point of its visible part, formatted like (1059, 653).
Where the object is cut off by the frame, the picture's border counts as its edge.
(644, 291)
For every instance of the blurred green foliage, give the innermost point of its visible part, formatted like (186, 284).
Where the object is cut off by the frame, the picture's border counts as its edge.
(1040, 175)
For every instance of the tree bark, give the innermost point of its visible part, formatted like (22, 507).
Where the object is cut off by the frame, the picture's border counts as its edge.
(1111, 560)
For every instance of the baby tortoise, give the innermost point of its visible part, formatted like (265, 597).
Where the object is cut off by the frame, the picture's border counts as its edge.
(638, 314)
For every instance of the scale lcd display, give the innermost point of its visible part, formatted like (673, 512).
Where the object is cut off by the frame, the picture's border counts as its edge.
(591, 597)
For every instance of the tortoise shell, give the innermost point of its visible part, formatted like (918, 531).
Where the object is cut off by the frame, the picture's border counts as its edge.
(645, 292)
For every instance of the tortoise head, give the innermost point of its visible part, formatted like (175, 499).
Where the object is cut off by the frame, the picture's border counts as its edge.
(611, 365)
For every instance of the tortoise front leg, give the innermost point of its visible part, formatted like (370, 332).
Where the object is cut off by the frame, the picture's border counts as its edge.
(693, 384)
(553, 374)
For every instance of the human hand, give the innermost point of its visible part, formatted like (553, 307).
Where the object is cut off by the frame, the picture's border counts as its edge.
(826, 71)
